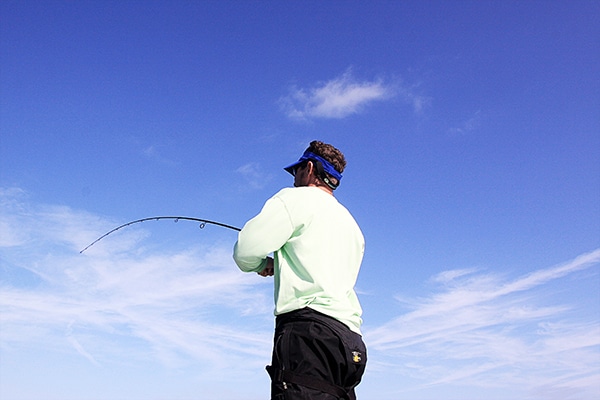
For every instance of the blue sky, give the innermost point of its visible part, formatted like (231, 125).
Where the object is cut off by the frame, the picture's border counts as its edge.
(472, 134)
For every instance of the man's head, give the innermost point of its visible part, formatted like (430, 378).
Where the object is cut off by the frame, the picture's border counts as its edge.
(320, 164)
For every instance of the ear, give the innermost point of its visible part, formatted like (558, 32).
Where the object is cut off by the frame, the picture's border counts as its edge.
(310, 168)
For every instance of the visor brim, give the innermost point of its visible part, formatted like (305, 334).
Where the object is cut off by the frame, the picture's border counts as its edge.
(290, 168)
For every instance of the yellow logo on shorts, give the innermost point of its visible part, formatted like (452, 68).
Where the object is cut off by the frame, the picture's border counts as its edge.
(356, 356)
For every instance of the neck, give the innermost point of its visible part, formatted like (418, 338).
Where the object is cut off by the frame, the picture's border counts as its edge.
(323, 187)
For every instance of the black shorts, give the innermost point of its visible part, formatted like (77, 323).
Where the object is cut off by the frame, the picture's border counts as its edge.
(315, 357)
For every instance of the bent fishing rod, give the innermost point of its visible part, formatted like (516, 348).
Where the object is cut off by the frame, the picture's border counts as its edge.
(202, 221)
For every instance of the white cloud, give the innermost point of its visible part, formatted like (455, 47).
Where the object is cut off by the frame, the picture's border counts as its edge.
(254, 176)
(467, 126)
(412, 95)
(481, 330)
(127, 304)
(109, 302)
(154, 153)
(337, 98)
(449, 276)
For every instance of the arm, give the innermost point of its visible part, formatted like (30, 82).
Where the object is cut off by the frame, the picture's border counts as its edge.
(261, 236)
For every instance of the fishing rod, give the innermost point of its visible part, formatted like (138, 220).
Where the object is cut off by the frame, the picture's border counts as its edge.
(202, 221)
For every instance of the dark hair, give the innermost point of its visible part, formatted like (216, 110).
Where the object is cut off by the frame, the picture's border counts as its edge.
(331, 154)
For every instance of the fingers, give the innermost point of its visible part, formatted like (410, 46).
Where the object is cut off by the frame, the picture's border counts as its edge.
(269, 268)
(266, 272)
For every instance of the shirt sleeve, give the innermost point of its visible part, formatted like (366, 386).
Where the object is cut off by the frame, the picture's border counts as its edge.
(263, 235)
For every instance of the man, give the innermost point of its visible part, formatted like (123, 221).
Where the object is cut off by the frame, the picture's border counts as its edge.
(317, 248)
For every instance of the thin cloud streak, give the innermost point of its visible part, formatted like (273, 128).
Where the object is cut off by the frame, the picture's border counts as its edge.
(172, 303)
(189, 305)
(481, 330)
(254, 176)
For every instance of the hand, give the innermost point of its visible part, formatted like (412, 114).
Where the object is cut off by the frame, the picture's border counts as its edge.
(268, 270)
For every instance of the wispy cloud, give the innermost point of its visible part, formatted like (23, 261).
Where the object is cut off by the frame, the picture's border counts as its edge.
(483, 330)
(109, 302)
(254, 175)
(128, 300)
(336, 98)
(153, 153)
(467, 126)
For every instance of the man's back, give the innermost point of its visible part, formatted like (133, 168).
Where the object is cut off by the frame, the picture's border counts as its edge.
(318, 266)
(318, 252)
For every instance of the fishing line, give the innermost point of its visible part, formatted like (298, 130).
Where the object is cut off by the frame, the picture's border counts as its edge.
(202, 221)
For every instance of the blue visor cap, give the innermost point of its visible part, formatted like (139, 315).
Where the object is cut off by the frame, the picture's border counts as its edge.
(327, 166)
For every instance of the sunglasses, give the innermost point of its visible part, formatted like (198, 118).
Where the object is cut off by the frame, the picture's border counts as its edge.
(299, 166)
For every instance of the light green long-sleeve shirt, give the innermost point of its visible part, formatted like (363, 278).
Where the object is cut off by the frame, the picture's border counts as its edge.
(317, 246)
